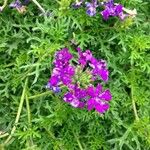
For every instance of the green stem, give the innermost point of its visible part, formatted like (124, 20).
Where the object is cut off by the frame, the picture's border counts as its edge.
(4, 4)
(18, 113)
(28, 110)
(30, 141)
(79, 144)
(132, 88)
(39, 6)
(4, 135)
(133, 103)
(40, 95)
(52, 137)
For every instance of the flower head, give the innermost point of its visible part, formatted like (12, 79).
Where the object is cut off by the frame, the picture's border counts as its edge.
(79, 80)
(21, 8)
(113, 9)
(15, 4)
(91, 7)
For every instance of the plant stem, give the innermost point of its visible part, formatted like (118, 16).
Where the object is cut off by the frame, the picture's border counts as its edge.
(28, 110)
(79, 144)
(4, 4)
(133, 103)
(4, 135)
(39, 6)
(29, 119)
(18, 113)
(40, 95)
(132, 88)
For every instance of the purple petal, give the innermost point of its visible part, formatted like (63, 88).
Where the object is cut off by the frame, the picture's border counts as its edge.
(101, 108)
(84, 57)
(56, 89)
(91, 91)
(91, 104)
(15, 4)
(75, 103)
(91, 8)
(88, 55)
(118, 9)
(59, 64)
(66, 79)
(104, 74)
(56, 72)
(122, 16)
(105, 13)
(91, 11)
(106, 95)
(71, 86)
(69, 70)
(63, 55)
(98, 88)
(81, 105)
(80, 93)
(68, 97)
(54, 80)
(93, 62)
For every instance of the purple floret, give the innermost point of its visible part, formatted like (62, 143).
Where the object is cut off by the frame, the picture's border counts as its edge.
(91, 7)
(112, 10)
(55, 89)
(15, 4)
(71, 98)
(84, 57)
(98, 99)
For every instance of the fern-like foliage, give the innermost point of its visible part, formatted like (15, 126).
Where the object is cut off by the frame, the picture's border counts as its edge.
(27, 46)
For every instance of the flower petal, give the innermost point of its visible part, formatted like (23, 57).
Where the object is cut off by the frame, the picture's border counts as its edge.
(91, 104)
(106, 95)
(101, 108)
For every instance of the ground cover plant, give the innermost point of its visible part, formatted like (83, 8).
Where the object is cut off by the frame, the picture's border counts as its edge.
(33, 117)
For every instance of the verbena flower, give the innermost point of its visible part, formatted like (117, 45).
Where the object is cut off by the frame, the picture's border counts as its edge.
(15, 4)
(91, 7)
(98, 98)
(79, 80)
(98, 66)
(63, 71)
(18, 3)
(111, 9)
(55, 89)
(20, 6)
(75, 97)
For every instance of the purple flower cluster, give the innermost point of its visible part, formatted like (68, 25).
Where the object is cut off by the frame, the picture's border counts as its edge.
(18, 4)
(113, 10)
(91, 7)
(110, 9)
(78, 76)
